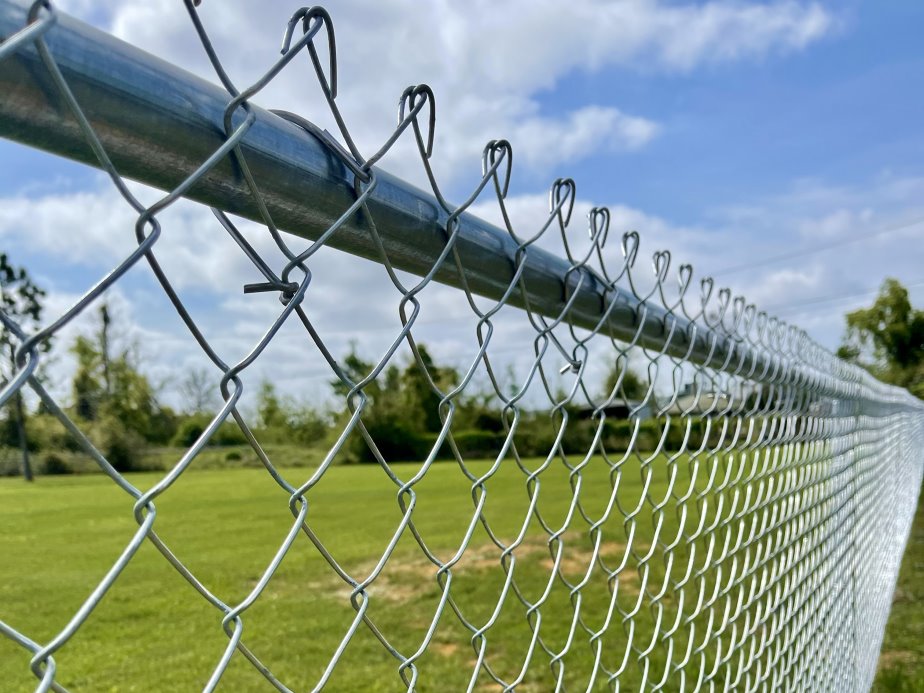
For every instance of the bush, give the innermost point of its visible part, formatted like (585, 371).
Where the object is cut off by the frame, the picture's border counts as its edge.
(478, 443)
(9, 435)
(10, 461)
(649, 435)
(487, 420)
(188, 432)
(45, 432)
(307, 426)
(470, 444)
(229, 433)
(535, 438)
(122, 448)
(162, 426)
(233, 456)
(396, 441)
(579, 436)
(617, 434)
(54, 464)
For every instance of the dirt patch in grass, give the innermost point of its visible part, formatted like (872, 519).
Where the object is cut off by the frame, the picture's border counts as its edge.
(404, 578)
(893, 658)
(444, 649)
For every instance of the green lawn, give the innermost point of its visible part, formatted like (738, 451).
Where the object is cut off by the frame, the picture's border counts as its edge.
(901, 664)
(152, 631)
(61, 534)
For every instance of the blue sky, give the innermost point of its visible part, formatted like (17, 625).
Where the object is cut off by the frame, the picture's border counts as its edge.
(842, 110)
(729, 132)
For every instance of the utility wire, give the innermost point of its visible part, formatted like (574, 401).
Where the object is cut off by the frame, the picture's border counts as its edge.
(733, 269)
(832, 298)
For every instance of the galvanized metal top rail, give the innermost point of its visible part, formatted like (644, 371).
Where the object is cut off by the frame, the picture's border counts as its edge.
(159, 123)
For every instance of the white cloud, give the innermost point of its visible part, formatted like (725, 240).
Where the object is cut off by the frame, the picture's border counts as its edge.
(46, 225)
(96, 229)
(545, 142)
(353, 299)
(687, 36)
(487, 62)
(839, 242)
(883, 219)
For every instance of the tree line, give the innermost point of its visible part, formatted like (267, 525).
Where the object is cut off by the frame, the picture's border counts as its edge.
(115, 404)
(887, 339)
(119, 409)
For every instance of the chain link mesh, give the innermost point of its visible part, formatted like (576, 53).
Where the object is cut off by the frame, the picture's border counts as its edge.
(753, 544)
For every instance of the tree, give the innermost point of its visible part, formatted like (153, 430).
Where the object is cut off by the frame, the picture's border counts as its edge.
(888, 338)
(199, 391)
(354, 368)
(421, 401)
(283, 419)
(633, 385)
(20, 300)
(402, 414)
(108, 385)
(271, 410)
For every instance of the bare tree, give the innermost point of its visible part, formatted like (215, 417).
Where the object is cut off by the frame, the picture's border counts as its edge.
(199, 391)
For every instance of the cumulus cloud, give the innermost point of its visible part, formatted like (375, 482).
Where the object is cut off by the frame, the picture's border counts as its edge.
(96, 228)
(819, 250)
(352, 299)
(545, 142)
(487, 62)
(490, 65)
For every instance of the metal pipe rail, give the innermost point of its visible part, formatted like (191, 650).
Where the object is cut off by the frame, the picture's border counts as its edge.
(159, 123)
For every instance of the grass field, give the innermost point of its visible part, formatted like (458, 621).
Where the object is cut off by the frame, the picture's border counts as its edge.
(901, 664)
(154, 632)
(65, 532)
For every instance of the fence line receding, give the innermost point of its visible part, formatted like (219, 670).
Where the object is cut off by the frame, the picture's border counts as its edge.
(735, 524)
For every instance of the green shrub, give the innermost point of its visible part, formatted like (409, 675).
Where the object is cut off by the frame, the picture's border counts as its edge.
(189, 430)
(45, 432)
(10, 461)
(396, 441)
(122, 448)
(479, 443)
(649, 435)
(579, 436)
(53, 463)
(487, 420)
(617, 434)
(229, 433)
(9, 435)
(162, 426)
(535, 438)
(471, 444)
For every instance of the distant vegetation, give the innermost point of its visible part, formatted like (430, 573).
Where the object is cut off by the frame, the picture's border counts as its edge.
(153, 627)
(117, 407)
(888, 338)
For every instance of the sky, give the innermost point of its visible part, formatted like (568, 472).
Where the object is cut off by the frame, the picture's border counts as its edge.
(777, 146)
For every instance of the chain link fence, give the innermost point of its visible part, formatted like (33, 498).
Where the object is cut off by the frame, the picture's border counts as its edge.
(737, 526)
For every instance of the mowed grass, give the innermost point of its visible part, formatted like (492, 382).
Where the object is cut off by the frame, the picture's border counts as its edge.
(901, 663)
(153, 631)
